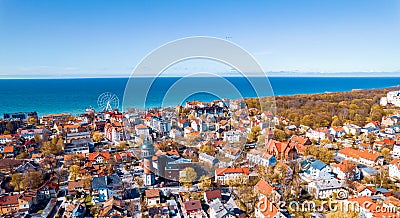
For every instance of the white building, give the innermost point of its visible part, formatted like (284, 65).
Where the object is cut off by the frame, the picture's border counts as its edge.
(396, 150)
(394, 170)
(262, 158)
(142, 130)
(232, 136)
(319, 171)
(222, 175)
(326, 188)
(5, 139)
(393, 98)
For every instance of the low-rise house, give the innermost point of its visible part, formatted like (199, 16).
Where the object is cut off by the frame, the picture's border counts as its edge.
(29, 134)
(218, 210)
(319, 171)
(75, 210)
(212, 195)
(300, 140)
(48, 190)
(75, 187)
(326, 188)
(174, 133)
(152, 197)
(115, 132)
(113, 207)
(389, 121)
(104, 187)
(98, 157)
(223, 175)
(182, 123)
(9, 151)
(365, 157)
(265, 190)
(27, 167)
(352, 129)
(391, 202)
(346, 170)
(197, 125)
(8, 165)
(337, 131)
(232, 136)
(281, 150)
(259, 157)
(78, 146)
(9, 204)
(231, 152)
(208, 159)
(142, 130)
(5, 139)
(192, 208)
(26, 201)
(318, 134)
(362, 190)
(124, 156)
(394, 170)
(368, 171)
(396, 150)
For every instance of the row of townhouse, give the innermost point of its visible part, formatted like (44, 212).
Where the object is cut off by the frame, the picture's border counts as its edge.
(366, 157)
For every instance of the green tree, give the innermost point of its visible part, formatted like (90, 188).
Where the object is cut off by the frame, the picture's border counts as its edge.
(32, 180)
(335, 121)
(97, 137)
(75, 172)
(16, 181)
(188, 176)
(205, 182)
(386, 154)
(208, 148)
(279, 135)
(55, 146)
(122, 145)
(253, 135)
(32, 121)
(22, 155)
(37, 138)
(9, 127)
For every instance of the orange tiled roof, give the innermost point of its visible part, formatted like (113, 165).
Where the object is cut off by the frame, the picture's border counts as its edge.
(7, 200)
(350, 152)
(71, 126)
(223, 171)
(5, 136)
(264, 187)
(152, 193)
(392, 200)
(8, 149)
(346, 166)
(141, 126)
(93, 156)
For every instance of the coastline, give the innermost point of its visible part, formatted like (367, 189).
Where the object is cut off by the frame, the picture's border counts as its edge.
(75, 95)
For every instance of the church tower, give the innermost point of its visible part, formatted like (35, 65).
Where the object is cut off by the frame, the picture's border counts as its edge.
(147, 153)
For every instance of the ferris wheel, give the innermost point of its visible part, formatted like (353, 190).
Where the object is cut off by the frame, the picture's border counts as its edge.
(107, 101)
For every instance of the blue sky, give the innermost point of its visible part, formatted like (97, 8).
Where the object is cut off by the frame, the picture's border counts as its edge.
(50, 38)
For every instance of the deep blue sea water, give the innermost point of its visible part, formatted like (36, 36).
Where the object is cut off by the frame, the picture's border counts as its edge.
(74, 95)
